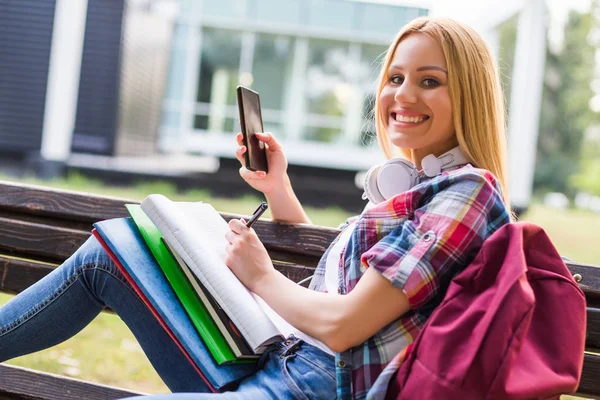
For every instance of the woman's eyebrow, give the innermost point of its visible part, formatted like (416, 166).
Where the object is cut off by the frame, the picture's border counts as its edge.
(427, 67)
(423, 68)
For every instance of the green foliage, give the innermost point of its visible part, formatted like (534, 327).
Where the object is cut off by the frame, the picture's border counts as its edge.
(565, 113)
(507, 31)
(588, 180)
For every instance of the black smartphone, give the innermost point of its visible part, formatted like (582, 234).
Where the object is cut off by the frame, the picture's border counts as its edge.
(251, 121)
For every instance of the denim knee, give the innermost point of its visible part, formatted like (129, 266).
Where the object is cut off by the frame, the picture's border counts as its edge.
(91, 255)
(90, 263)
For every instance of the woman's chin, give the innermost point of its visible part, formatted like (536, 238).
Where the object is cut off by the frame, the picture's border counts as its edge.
(402, 140)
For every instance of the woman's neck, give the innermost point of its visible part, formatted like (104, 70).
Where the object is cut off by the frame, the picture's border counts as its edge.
(437, 150)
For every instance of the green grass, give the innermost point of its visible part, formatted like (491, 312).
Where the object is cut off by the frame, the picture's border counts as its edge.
(106, 352)
(575, 233)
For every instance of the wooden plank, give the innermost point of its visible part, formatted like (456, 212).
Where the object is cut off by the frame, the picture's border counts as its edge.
(590, 382)
(38, 240)
(590, 282)
(307, 240)
(54, 203)
(592, 338)
(17, 382)
(16, 275)
(294, 272)
(60, 203)
(284, 242)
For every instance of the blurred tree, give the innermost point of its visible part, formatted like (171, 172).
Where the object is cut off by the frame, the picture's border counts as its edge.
(507, 31)
(566, 113)
(588, 178)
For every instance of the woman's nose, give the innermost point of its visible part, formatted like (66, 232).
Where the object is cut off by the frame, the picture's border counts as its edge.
(405, 93)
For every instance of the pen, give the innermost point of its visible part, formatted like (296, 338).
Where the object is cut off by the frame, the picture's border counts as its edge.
(259, 211)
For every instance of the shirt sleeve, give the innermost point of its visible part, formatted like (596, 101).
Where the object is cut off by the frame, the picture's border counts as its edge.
(441, 237)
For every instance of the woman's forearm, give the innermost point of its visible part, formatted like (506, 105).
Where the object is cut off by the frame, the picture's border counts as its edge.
(319, 315)
(285, 206)
(339, 321)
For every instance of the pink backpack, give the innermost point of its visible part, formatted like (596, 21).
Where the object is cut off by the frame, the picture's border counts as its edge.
(512, 325)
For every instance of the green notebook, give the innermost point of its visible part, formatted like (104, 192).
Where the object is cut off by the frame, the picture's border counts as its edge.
(197, 312)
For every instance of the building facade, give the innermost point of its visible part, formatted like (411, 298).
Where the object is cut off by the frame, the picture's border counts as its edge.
(313, 62)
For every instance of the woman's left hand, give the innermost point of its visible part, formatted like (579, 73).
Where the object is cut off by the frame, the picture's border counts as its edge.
(246, 256)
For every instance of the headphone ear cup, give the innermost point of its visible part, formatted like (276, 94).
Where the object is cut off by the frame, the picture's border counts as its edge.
(396, 176)
(371, 189)
(382, 182)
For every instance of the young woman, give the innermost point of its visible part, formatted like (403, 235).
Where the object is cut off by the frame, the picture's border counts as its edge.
(439, 104)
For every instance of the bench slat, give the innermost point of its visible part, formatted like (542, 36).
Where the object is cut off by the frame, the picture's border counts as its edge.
(17, 275)
(38, 240)
(54, 243)
(305, 240)
(22, 383)
(590, 384)
(592, 338)
(60, 203)
(591, 278)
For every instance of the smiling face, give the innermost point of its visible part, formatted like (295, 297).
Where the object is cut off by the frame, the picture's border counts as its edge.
(415, 101)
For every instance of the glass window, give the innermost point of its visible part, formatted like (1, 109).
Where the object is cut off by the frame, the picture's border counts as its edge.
(372, 57)
(289, 11)
(326, 88)
(338, 14)
(272, 69)
(321, 133)
(218, 77)
(325, 77)
(175, 82)
(188, 6)
(384, 19)
(223, 8)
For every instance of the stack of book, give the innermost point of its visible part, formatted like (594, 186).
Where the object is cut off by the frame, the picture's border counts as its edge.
(173, 255)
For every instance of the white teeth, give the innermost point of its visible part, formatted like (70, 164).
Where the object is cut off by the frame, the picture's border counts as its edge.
(412, 120)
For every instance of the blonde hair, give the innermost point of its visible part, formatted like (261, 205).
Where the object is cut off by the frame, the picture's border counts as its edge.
(475, 94)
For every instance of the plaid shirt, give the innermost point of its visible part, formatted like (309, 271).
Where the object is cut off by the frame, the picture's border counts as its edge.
(419, 240)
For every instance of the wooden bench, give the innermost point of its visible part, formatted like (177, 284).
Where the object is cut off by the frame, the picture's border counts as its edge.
(41, 227)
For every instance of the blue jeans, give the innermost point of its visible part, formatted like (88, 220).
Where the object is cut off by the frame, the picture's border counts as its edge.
(70, 297)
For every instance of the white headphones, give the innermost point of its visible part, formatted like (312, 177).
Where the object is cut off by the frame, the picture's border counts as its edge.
(382, 182)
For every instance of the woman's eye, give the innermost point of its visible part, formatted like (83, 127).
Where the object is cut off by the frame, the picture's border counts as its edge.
(430, 83)
(396, 79)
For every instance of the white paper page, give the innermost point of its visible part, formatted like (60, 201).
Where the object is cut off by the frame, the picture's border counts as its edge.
(197, 232)
(282, 325)
(287, 329)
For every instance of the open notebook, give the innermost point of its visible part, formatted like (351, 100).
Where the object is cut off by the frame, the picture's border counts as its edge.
(196, 231)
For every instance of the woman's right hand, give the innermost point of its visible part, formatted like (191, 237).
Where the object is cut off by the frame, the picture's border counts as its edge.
(277, 162)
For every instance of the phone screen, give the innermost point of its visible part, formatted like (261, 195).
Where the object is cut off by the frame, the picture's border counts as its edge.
(251, 121)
